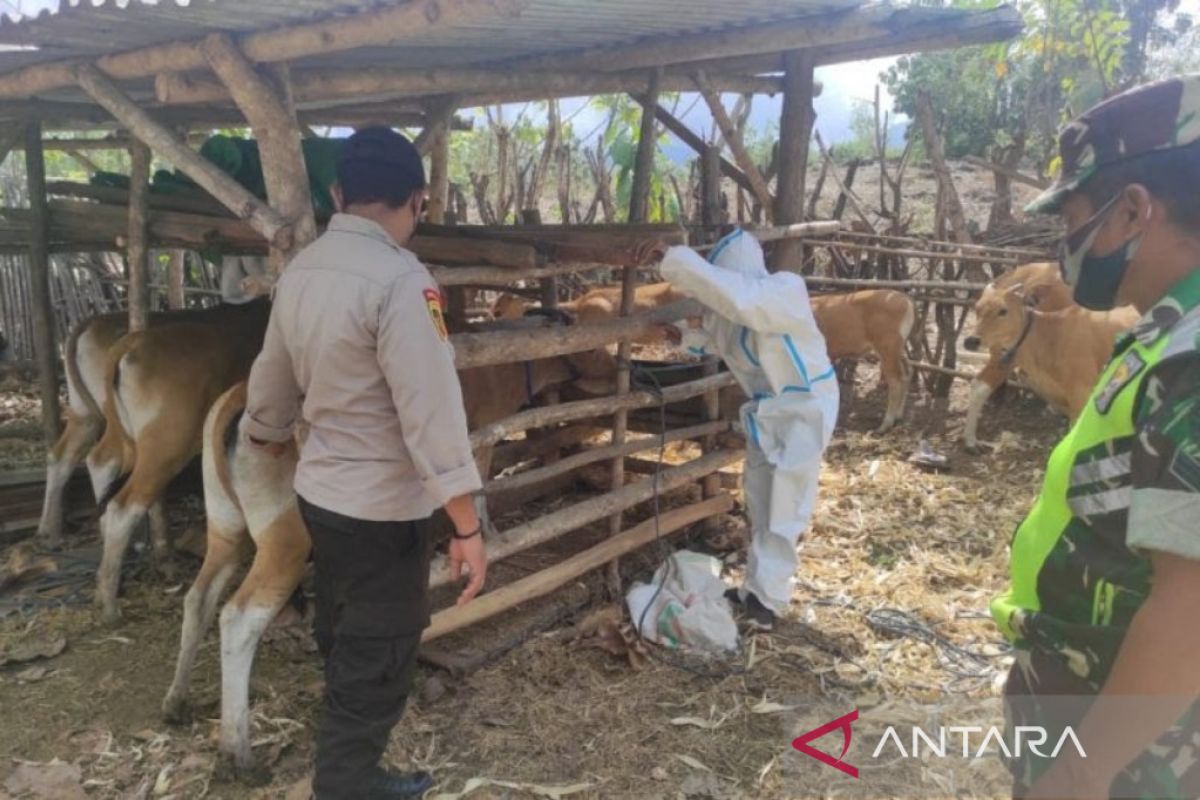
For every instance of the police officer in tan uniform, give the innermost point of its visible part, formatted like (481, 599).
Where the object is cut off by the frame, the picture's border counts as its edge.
(357, 348)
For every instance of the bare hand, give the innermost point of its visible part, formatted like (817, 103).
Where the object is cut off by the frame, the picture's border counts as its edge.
(472, 553)
(649, 252)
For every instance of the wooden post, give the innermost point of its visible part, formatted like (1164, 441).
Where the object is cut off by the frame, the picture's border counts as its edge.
(643, 165)
(45, 349)
(439, 171)
(733, 138)
(278, 134)
(176, 270)
(137, 249)
(264, 219)
(710, 187)
(795, 133)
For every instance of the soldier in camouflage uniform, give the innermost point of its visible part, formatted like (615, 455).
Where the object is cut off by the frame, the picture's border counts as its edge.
(1104, 603)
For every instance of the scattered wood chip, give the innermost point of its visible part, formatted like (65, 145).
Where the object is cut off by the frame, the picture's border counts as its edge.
(552, 792)
(764, 707)
(693, 763)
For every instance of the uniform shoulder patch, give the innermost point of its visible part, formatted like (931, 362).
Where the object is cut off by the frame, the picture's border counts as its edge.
(1130, 367)
(437, 312)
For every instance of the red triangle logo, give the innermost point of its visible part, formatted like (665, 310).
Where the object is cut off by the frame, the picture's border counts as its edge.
(801, 743)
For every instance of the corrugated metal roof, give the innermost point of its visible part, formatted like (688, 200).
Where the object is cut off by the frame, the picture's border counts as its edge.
(87, 28)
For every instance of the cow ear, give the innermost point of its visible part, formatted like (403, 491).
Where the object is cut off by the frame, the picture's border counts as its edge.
(1035, 295)
(1016, 291)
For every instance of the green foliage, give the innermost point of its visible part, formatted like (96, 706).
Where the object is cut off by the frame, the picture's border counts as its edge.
(1072, 54)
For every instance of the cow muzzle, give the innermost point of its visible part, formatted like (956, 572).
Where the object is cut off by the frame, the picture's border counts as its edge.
(972, 344)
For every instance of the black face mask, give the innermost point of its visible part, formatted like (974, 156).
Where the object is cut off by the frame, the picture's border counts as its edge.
(1095, 280)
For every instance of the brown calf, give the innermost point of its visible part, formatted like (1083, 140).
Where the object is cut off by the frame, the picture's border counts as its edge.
(161, 385)
(873, 321)
(249, 495)
(1060, 353)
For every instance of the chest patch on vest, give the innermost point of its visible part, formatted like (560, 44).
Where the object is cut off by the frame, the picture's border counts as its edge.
(1130, 367)
(1185, 466)
(437, 314)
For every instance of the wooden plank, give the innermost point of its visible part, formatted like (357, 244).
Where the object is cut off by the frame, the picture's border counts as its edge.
(795, 137)
(547, 580)
(556, 523)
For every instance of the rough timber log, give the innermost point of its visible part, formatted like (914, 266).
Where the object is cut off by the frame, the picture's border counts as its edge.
(388, 25)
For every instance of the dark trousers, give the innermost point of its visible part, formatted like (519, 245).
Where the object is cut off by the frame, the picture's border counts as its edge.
(372, 581)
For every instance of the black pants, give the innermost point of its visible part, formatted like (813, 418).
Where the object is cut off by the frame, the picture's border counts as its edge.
(372, 581)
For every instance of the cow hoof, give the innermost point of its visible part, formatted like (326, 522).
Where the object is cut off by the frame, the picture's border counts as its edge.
(978, 449)
(177, 710)
(109, 617)
(228, 769)
(49, 541)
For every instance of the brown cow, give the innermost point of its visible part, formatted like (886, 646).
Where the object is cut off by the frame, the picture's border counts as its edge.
(247, 490)
(1060, 353)
(1044, 287)
(161, 384)
(86, 358)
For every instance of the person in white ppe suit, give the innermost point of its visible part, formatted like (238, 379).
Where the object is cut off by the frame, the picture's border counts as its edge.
(762, 325)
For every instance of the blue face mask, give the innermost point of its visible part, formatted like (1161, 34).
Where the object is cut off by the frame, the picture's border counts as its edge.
(1095, 280)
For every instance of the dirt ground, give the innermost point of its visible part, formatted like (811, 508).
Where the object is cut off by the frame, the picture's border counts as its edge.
(558, 715)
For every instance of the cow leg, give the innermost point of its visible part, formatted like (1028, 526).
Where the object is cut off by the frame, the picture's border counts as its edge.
(156, 465)
(283, 548)
(986, 382)
(199, 608)
(894, 368)
(80, 433)
(161, 542)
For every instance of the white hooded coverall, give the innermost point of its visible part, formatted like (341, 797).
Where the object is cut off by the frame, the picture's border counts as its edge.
(762, 325)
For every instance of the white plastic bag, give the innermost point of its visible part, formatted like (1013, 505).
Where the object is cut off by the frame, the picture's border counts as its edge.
(690, 610)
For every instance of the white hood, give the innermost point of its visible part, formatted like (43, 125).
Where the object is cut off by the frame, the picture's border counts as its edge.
(740, 252)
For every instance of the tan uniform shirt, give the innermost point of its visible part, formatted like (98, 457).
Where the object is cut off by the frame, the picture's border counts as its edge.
(357, 344)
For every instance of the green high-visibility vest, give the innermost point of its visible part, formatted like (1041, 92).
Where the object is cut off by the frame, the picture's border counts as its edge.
(1087, 478)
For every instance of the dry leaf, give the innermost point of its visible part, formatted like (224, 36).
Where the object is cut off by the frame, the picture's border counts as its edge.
(764, 707)
(696, 722)
(552, 792)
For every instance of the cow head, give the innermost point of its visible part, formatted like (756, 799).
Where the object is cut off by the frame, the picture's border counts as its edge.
(1000, 316)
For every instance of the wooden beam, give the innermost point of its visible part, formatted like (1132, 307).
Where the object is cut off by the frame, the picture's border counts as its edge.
(45, 350)
(278, 134)
(505, 347)
(692, 140)
(937, 160)
(795, 136)
(549, 526)
(547, 580)
(264, 219)
(710, 187)
(176, 272)
(439, 176)
(137, 249)
(482, 86)
(570, 463)
(852, 198)
(385, 26)
(1013, 174)
(588, 409)
(643, 165)
(12, 136)
(758, 185)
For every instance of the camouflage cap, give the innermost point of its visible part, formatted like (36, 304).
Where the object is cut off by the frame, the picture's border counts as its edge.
(1145, 119)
